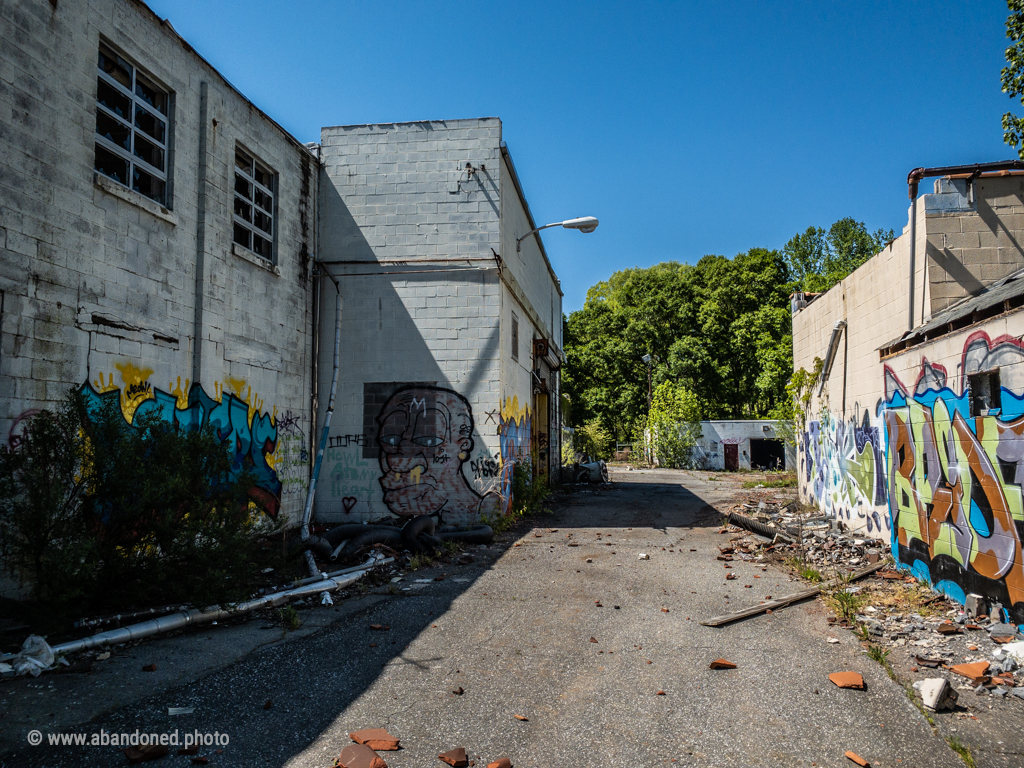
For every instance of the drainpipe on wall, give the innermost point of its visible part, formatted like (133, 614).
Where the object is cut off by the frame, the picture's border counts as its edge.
(197, 317)
(913, 251)
(307, 512)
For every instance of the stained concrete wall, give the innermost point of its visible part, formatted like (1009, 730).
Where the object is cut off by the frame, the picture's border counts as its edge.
(893, 446)
(412, 227)
(716, 434)
(99, 284)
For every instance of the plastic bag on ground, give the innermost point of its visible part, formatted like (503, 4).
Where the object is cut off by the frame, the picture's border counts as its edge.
(35, 656)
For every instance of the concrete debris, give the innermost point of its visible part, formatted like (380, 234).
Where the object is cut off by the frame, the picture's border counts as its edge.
(976, 606)
(848, 680)
(375, 738)
(359, 756)
(455, 757)
(643, 556)
(936, 693)
(722, 664)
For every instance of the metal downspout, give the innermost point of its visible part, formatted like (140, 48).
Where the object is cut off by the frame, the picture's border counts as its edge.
(913, 252)
(200, 265)
(307, 512)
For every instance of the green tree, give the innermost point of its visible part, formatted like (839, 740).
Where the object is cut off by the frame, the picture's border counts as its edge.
(818, 259)
(1012, 75)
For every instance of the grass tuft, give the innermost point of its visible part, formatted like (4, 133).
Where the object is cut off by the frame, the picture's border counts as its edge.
(963, 750)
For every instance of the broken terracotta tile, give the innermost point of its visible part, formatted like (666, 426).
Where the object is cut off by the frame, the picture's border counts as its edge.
(521, 717)
(145, 752)
(973, 671)
(376, 739)
(947, 628)
(149, 668)
(660, 693)
(722, 664)
(730, 576)
(379, 627)
(501, 763)
(359, 756)
(458, 691)
(999, 640)
(848, 680)
(593, 639)
(455, 757)
(857, 759)
(664, 610)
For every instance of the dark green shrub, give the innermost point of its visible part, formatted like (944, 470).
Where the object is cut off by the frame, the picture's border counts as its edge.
(138, 514)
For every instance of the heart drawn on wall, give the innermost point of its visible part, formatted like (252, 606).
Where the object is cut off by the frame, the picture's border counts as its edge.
(348, 502)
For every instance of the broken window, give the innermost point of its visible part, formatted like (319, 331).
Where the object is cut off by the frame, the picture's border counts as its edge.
(515, 337)
(131, 127)
(254, 205)
(984, 391)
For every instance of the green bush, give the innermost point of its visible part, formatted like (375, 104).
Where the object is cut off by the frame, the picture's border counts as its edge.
(134, 514)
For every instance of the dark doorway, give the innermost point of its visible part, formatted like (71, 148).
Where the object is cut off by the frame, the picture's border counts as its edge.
(767, 454)
(732, 457)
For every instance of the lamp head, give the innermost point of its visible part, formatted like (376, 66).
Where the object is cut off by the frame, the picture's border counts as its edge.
(583, 224)
(646, 359)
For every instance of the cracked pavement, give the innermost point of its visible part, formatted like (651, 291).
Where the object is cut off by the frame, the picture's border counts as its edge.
(513, 630)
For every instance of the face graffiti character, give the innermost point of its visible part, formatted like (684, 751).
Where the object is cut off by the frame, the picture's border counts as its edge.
(425, 436)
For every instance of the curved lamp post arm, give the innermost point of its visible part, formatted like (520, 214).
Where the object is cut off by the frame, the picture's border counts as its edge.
(583, 224)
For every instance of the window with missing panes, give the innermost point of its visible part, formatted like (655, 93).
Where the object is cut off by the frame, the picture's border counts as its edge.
(131, 127)
(254, 205)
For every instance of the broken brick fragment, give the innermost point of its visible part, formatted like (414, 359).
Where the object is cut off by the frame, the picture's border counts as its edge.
(359, 756)
(375, 738)
(857, 759)
(664, 610)
(722, 664)
(848, 680)
(379, 627)
(730, 576)
(947, 628)
(458, 691)
(145, 752)
(660, 693)
(268, 704)
(455, 757)
(522, 717)
(973, 671)
(593, 639)
(149, 668)
(502, 763)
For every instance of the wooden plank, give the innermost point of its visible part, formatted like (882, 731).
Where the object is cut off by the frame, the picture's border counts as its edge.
(781, 602)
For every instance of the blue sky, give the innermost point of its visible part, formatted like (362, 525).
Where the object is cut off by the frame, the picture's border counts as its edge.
(686, 127)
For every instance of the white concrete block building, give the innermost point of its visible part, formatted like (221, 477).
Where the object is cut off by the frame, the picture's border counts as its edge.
(744, 444)
(451, 335)
(156, 230)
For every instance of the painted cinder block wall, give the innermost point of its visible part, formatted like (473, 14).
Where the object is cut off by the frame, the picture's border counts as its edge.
(899, 455)
(99, 284)
(418, 244)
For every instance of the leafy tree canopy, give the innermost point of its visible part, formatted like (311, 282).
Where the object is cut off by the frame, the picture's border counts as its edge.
(1012, 76)
(719, 331)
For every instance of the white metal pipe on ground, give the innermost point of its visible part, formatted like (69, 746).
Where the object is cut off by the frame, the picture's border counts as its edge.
(195, 616)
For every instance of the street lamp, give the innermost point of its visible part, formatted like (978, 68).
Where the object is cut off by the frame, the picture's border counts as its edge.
(583, 224)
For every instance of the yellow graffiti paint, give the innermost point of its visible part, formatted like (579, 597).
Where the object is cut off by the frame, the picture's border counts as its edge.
(110, 386)
(414, 474)
(180, 393)
(136, 389)
(512, 411)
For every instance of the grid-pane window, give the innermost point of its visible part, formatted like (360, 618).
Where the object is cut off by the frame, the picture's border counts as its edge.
(254, 206)
(131, 127)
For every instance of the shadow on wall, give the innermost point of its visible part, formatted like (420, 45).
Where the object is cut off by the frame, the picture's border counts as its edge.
(947, 485)
(420, 447)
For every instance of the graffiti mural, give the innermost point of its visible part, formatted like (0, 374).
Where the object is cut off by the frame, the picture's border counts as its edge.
(515, 445)
(955, 479)
(291, 458)
(425, 435)
(844, 463)
(943, 484)
(352, 478)
(237, 418)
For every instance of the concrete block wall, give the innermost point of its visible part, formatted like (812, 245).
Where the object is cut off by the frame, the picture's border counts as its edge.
(886, 446)
(410, 233)
(973, 244)
(99, 283)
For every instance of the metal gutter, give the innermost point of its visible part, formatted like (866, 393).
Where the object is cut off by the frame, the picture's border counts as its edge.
(529, 215)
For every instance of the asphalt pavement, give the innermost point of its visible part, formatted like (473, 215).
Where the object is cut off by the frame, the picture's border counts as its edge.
(598, 652)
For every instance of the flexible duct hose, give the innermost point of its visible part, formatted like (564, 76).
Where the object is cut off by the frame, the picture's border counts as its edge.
(420, 525)
(476, 534)
(388, 536)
